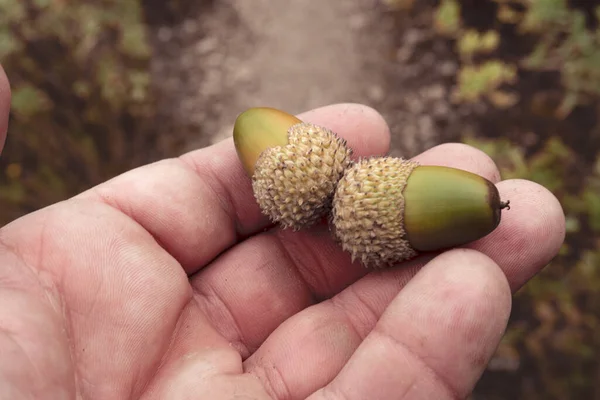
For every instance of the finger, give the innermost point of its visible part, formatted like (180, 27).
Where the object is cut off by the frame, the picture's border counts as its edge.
(462, 156)
(530, 234)
(435, 339)
(357, 308)
(4, 106)
(200, 204)
(281, 272)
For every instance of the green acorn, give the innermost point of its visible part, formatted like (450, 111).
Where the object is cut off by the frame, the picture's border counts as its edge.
(294, 165)
(387, 210)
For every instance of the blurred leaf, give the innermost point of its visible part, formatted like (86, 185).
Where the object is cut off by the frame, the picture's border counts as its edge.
(592, 201)
(27, 101)
(477, 81)
(541, 12)
(447, 17)
(572, 224)
(471, 42)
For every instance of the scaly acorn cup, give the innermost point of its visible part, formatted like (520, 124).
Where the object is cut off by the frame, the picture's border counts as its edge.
(387, 210)
(294, 165)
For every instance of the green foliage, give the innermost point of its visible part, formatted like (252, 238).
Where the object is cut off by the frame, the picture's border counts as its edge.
(549, 166)
(591, 199)
(485, 80)
(564, 44)
(82, 108)
(476, 81)
(473, 42)
(447, 17)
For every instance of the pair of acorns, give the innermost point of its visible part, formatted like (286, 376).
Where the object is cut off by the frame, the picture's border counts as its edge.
(382, 210)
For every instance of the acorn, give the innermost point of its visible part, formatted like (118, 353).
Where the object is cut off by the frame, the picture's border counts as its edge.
(294, 165)
(387, 210)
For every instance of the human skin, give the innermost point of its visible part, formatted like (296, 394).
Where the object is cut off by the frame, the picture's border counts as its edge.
(167, 282)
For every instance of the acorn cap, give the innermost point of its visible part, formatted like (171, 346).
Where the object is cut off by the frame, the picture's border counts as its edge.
(387, 210)
(368, 211)
(294, 166)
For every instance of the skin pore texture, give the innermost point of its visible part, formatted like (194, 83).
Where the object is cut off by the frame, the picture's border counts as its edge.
(167, 282)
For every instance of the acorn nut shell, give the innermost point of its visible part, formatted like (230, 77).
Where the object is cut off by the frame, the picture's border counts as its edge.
(387, 210)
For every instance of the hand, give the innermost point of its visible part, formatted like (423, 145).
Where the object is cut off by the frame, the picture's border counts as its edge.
(168, 283)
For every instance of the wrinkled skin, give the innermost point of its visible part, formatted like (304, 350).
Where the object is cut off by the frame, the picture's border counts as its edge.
(168, 283)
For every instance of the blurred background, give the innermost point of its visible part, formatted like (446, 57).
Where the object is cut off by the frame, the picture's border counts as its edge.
(102, 86)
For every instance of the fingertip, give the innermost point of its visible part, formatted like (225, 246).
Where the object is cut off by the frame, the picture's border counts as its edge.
(474, 273)
(530, 234)
(444, 326)
(365, 129)
(540, 214)
(552, 218)
(462, 156)
(468, 301)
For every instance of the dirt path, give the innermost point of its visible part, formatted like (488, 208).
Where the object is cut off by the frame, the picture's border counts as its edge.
(293, 55)
(306, 54)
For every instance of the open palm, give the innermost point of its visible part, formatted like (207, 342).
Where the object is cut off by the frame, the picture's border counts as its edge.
(168, 283)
